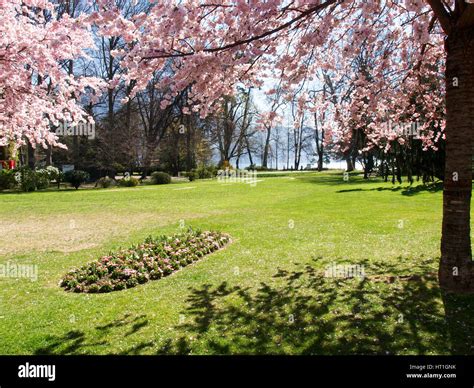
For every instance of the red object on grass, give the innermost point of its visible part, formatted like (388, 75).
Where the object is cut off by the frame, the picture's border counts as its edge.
(11, 164)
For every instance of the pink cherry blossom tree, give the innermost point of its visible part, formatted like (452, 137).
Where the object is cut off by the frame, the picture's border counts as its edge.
(213, 47)
(218, 45)
(37, 92)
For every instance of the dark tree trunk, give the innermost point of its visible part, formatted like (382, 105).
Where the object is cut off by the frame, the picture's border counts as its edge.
(399, 169)
(266, 149)
(149, 148)
(249, 151)
(49, 155)
(190, 146)
(31, 157)
(319, 142)
(456, 267)
(368, 165)
(350, 165)
(320, 160)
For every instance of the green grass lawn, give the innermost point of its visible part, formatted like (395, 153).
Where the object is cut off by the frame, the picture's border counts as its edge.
(264, 293)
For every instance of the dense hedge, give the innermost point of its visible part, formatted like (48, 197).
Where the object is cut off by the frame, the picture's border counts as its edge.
(160, 178)
(128, 182)
(7, 179)
(153, 259)
(27, 179)
(76, 178)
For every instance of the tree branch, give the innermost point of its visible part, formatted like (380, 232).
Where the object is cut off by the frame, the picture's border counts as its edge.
(288, 24)
(441, 14)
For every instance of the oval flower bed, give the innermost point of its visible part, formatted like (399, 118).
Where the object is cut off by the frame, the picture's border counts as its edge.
(155, 258)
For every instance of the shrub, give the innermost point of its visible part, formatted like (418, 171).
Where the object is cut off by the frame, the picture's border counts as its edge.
(119, 168)
(52, 172)
(105, 182)
(147, 181)
(76, 178)
(26, 178)
(55, 174)
(7, 179)
(31, 180)
(128, 182)
(191, 175)
(153, 259)
(42, 179)
(160, 178)
(205, 172)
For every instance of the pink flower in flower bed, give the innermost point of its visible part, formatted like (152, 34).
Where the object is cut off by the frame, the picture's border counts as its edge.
(142, 262)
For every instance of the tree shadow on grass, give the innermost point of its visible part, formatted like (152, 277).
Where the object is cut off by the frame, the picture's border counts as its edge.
(395, 309)
(404, 190)
(338, 178)
(77, 342)
(302, 312)
(356, 178)
(459, 312)
(69, 343)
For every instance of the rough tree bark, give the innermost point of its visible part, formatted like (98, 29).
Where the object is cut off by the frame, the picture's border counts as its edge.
(456, 267)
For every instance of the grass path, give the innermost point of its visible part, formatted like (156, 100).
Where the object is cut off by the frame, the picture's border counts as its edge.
(262, 294)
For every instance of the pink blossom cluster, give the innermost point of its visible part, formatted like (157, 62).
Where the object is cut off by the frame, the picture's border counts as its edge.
(384, 57)
(36, 91)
